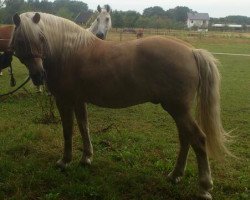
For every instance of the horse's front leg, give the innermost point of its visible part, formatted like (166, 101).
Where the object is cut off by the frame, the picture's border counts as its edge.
(66, 113)
(82, 121)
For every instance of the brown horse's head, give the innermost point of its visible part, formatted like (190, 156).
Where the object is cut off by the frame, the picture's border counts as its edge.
(28, 44)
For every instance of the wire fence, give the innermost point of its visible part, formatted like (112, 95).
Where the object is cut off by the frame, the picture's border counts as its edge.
(181, 33)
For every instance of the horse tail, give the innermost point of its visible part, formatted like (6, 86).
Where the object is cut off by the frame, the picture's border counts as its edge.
(208, 104)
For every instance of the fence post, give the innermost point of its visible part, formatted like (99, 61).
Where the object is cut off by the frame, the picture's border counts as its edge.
(121, 35)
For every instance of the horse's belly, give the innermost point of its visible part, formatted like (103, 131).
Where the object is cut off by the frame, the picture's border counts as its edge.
(117, 100)
(115, 105)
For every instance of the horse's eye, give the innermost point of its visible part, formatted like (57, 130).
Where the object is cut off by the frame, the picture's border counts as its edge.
(98, 19)
(107, 19)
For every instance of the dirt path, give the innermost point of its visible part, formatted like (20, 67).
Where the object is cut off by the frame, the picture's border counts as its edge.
(232, 54)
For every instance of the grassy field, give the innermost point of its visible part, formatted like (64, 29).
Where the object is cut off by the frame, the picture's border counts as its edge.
(134, 148)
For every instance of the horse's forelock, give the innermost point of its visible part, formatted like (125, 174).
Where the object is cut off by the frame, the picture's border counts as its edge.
(28, 33)
(28, 26)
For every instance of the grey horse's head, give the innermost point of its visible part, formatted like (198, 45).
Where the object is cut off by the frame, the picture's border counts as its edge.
(102, 24)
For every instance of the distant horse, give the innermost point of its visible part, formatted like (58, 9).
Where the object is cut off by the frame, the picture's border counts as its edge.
(139, 33)
(80, 68)
(102, 23)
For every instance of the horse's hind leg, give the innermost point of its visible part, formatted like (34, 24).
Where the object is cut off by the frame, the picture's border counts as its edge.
(190, 133)
(198, 143)
(82, 121)
(66, 114)
(180, 165)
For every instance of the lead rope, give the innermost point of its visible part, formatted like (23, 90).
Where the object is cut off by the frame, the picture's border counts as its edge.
(13, 91)
(12, 78)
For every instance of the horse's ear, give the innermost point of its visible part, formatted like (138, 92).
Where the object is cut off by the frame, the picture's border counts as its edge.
(16, 19)
(99, 8)
(36, 18)
(108, 8)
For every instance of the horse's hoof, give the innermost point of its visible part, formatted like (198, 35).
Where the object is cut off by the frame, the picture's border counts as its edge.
(85, 162)
(61, 164)
(174, 179)
(204, 195)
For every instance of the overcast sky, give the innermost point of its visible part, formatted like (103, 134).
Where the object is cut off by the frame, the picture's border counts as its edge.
(215, 8)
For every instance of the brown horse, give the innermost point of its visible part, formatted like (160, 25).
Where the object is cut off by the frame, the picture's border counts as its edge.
(139, 33)
(80, 68)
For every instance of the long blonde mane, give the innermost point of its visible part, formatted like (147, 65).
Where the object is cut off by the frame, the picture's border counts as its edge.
(63, 37)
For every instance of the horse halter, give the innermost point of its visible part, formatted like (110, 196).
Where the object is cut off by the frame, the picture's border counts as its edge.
(5, 61)
(32, 56)
(27, 55)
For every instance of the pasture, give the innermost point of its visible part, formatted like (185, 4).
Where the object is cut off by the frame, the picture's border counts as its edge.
(134, 148)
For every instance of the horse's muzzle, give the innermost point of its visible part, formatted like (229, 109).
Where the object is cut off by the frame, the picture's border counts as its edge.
(100, 35)
(36, 71)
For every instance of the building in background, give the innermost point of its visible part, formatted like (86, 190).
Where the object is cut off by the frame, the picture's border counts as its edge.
(198, 21)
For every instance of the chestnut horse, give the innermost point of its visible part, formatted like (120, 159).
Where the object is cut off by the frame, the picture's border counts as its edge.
(139, 33)
(80, 68)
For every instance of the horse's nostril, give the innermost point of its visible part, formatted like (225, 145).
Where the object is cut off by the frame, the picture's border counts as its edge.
(100, 35)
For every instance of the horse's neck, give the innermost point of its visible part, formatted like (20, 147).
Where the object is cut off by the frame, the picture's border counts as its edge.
(93, 27)
(63, 43)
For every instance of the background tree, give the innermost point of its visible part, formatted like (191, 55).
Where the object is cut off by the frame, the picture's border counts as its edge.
(143, 22)
(12, 7)
(69, 9)
(130, 18)
(117, 19)
(179, 13)
(154, 11)
(46, 6)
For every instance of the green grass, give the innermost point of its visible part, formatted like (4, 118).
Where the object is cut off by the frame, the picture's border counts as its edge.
(134, 148)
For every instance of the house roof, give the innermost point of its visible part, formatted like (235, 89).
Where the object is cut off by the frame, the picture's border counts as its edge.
(83, 17)
(198, 16)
